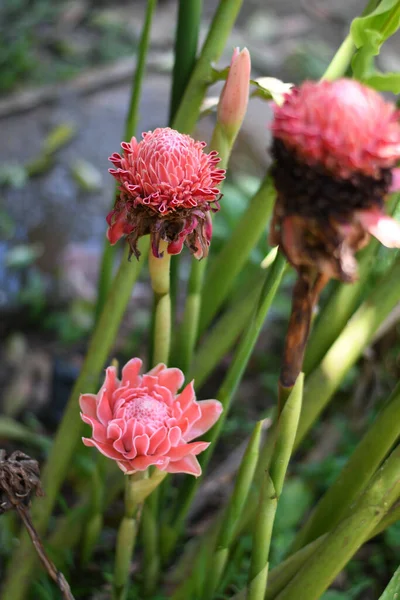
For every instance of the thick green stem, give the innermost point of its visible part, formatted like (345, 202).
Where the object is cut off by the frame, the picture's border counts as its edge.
(235, 253)
(160, 280)
(151, 547)
(132, 118)
(187, 34)
(221, 26)
(219, 558)
(190, 324)
(69, 432)
(229, 387)
(126, 538)
(271, 490)
(186, 40)
(222, 336)
(393, 589)
(354, 478)
(344, 540)
(342, 59)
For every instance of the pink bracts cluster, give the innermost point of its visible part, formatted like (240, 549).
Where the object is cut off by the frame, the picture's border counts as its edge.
(341, 125)
(335, 145)
(140, 421)
(168, 186)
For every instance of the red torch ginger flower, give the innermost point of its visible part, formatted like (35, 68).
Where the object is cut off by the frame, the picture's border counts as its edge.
(142, 420)
(335, 147)
(168, 185)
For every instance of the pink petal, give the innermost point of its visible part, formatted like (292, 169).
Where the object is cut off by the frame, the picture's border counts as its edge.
(186, 396)
(395, 186)
(141, 444)
(125, 467)
(174, 436)
(189, 465)
(111, 382)
(176, 246)
(192, 413)
(141, 463)
(130, 372)
(88, 404)
(116, 230)
(185, 449)
(104, 413)
(155, 371)
(98, 430)
(164, 446)
(172, 379)
(105, 449)
(381, 226)
(156, 439)
(210, 413)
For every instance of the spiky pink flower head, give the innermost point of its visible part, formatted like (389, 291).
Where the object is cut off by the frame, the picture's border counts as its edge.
(168, 186)
(142, 420)
(335, 146)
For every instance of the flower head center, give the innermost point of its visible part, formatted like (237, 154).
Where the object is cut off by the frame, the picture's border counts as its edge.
(147, 410)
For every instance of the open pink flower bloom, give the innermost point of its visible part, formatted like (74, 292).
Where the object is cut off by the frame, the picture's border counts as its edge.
(142, 420)
(336, 146)
(168, 186)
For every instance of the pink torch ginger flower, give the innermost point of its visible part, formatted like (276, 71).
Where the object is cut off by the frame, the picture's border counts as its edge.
(168, 186)
(234, 97)
(142, 420)
(335, 147)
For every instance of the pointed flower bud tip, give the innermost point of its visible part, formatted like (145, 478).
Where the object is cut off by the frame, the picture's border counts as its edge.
(235, 94)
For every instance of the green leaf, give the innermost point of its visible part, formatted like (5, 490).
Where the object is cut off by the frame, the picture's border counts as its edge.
(377, 26)
(368, 34)
(270, 88)
(393, 589)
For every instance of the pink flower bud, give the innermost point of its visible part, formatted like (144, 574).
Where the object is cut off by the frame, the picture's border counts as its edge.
(234, 97)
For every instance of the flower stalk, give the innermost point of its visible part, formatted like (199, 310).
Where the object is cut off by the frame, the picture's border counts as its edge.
(271, 489)
(221, 26)
(126, 538)
(159, 269)
(219, 558)
(232, 258)
(232, 108)
(68, 434)
(228, 388)
(132, 118)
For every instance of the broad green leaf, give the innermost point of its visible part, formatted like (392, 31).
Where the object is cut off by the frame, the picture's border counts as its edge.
(368, 34)
(377, 26)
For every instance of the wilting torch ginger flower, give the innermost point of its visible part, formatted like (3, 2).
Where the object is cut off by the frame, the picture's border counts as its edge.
(142, 420)
(335, 148)
(168, 186)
